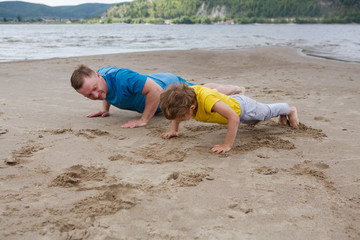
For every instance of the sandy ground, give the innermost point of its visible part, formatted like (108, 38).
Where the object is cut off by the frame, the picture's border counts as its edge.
(65, 176)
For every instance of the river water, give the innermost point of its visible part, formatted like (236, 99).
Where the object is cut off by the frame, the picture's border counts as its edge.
(44, 41)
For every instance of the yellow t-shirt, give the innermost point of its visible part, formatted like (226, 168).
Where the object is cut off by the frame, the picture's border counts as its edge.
(206, 98)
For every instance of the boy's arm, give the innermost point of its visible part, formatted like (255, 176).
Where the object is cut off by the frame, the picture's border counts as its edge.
(103, 113)
(174, 130)
(233, 123)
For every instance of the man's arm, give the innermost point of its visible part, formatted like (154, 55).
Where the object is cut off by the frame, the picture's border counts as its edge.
(152, 91)
(103, 113)
(233, 124)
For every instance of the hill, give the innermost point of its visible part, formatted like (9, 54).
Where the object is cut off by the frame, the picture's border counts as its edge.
(25, 10)
(241, 11)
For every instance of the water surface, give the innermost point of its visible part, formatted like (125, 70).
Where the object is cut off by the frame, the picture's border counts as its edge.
(43, 41)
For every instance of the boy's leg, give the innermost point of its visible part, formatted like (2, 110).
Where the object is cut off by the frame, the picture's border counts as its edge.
(293, 117)
(226, 89)
(283, 119)
(282, 110)
(275, 109)
(253, 111)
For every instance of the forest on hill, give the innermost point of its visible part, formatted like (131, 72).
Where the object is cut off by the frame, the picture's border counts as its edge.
(235, 11)
(20, 11)
(189, 12)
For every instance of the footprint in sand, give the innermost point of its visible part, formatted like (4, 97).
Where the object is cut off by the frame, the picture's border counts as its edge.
(266, 134)
(22, 153)
(255, 142)
(156, 131)
(3, 131)
(91, 133)
(314, 170)
(271, 137)
(190, 178)
(77, 174)
(108, 201)
(266, 170)
(87, 133)
(111, 200)
(121, 157)
(239, 207)
(206, 128)
(321, 118)
(156, 153)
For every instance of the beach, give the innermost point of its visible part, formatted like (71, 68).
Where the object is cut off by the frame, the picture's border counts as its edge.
(65, 176)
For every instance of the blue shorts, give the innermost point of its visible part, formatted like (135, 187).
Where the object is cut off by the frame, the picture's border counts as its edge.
(183, 81)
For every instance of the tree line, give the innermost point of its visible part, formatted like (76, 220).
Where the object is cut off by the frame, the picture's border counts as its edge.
(240, 11)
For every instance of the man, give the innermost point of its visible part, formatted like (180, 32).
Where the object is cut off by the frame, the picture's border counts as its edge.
(127, 89)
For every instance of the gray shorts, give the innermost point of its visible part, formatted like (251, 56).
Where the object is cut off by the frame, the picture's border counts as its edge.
(253, 112)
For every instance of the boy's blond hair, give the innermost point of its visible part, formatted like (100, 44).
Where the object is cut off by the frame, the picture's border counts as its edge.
(176, 100)
(77, 78)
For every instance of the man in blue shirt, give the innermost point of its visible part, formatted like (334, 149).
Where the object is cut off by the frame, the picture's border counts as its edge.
(129, 90)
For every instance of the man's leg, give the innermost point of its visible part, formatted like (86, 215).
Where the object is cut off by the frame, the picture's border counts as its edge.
(226, 89)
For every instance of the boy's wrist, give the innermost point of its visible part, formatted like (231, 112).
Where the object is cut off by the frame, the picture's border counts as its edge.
(227, 145)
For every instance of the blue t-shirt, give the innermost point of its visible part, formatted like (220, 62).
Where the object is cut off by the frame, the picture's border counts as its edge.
(125, 86)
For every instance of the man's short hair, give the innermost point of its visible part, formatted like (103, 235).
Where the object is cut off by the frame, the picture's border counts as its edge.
(176, 100)
(77, 78)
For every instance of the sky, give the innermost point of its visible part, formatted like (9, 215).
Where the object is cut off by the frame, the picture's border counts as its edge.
(54, 3)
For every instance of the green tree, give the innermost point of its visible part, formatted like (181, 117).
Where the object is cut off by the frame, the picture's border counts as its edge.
(185, 11)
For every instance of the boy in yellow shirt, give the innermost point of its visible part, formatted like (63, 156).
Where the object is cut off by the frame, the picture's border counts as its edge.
(181, 102)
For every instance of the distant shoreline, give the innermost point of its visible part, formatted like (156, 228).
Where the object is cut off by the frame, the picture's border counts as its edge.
(299, 51)
(146, 23)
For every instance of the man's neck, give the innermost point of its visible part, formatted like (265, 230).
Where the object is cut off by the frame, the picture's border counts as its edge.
(105, 84)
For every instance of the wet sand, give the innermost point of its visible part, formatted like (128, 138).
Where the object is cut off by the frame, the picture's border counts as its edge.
(65, 176)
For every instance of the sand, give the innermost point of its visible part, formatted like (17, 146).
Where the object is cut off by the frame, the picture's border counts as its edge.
(65, 176)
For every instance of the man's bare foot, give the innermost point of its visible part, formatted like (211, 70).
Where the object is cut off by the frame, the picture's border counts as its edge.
(226, 89)
(283, 120)
(293, 117)
(240, 90)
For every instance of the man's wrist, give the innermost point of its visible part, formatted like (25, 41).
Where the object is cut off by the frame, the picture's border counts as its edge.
(144, 120)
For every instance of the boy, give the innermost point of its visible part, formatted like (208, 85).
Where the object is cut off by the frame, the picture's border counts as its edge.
(181, 102)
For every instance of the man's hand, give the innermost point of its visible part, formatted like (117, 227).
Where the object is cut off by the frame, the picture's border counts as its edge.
(170, 134)
(98, 114)
(221, 148)
(134, 124)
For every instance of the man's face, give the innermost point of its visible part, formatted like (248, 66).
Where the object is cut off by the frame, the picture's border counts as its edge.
(94, 87)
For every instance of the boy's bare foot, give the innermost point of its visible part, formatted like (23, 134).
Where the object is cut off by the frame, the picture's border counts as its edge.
(283, 120)
(293, 117)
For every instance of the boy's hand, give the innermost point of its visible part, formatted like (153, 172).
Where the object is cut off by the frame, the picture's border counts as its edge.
(221, 148)
(170, 134)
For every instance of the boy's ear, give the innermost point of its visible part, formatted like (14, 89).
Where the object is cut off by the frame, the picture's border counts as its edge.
(192, 107)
